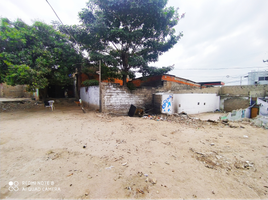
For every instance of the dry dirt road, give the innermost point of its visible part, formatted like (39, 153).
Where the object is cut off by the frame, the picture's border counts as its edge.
(66, 154)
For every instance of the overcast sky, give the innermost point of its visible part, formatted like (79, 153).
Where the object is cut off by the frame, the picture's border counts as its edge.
(222, 38)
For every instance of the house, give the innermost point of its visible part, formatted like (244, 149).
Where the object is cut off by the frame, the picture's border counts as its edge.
(211, 84)
(168, 82)
(258, 77)
(171, 103)
(96, 77)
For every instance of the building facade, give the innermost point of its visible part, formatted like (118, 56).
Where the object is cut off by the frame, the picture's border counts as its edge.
(258, 77)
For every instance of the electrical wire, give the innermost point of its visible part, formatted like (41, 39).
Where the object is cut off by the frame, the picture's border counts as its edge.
(221, 68)
(61, 22)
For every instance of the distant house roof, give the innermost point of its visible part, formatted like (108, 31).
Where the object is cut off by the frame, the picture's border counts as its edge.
(157, 80)
(180, 78)
(96, 77)
(211, 83)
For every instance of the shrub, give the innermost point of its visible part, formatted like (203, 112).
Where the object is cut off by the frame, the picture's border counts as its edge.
(131, 86)
(91, 82)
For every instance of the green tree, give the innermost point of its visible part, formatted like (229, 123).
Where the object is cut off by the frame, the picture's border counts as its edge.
(36, 55)
(154, 71)
(126, 34)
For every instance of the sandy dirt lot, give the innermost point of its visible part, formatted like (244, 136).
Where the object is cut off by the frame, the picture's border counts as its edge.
(68, 154)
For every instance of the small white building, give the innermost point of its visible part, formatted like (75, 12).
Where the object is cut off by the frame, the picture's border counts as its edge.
(189, 103)
(258, 77)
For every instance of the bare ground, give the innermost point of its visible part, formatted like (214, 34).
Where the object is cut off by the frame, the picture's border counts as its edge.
(96, 155)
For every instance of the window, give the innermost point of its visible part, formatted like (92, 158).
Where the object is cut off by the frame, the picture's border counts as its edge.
(263, 78)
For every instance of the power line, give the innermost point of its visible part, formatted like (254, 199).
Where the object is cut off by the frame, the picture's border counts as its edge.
(61, 22)
(221, 68)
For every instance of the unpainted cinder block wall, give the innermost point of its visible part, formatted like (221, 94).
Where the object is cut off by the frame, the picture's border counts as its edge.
(238, 97)
(117, 99)
(236, 103)
(18, 91)
(243, 90)
(210, 90)
(174, 86)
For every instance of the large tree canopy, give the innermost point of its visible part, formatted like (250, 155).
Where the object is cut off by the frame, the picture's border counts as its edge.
(127, 34)
(35, 55)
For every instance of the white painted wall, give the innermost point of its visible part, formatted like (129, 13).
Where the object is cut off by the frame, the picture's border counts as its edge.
(91, 96)
(167, 103)
(263, 107)
(195, 103)
(237, 115)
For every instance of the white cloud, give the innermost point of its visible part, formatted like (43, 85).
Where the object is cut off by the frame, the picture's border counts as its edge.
(29, 10)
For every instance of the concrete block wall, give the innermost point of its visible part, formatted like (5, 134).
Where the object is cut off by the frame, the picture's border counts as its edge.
(118, 99)
(18, 91)
(235, 103)
(211, 90)
(243, 90)
(173, 86)
(258, 93)
(238, 97)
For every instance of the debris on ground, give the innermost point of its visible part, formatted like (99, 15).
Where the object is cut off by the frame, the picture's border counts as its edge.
(135, 111)
(260, 121)
(137, 158)
(11, 106)
(109, 167)
(213, 160)
(138, 185)
(183, 118)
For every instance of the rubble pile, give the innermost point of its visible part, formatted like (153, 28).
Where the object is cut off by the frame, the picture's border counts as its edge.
(11, 106)
(193, 122)
(139, 184)
(214, 160)
(181, 118)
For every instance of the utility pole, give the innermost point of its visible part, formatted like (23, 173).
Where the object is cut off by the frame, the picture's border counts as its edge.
(100, 86)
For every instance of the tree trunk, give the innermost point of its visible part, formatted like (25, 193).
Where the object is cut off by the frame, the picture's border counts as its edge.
(124, 80)
(125, 67)
(79, 84)
(43, 94)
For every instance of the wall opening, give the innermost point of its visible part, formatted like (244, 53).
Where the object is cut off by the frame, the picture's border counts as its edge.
(233, 113)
